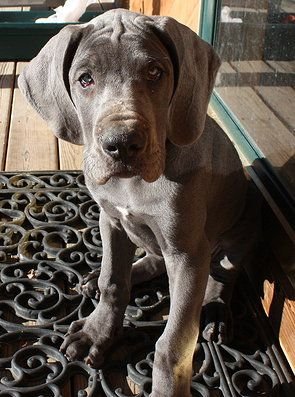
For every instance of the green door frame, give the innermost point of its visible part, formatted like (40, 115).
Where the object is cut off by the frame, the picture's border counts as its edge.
(260, 170)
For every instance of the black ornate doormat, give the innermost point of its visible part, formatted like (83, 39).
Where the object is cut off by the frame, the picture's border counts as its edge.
(49, 238)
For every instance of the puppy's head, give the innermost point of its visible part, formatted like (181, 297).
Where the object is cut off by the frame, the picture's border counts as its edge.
(123, 85)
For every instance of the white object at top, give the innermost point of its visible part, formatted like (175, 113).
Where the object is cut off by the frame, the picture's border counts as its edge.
(71, 11)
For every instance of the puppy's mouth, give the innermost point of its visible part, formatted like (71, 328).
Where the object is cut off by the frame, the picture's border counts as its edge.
(101, 169)
(148, 172)
(124, 170)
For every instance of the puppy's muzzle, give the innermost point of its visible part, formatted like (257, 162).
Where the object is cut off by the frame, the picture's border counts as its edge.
(123, 145)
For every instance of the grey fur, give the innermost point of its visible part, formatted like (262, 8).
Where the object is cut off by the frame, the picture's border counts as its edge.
(179, 191)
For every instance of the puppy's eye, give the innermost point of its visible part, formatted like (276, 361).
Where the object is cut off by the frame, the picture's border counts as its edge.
(154, 73)
(86, 80)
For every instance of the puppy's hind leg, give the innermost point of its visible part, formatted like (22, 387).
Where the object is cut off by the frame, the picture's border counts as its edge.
(216, 316)
(236, 249)
(147, 268)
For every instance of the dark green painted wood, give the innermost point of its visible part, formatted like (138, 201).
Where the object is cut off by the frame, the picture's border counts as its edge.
(21, 38)
(208, 20)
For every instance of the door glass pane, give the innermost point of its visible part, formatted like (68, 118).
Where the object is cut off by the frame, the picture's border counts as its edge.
(256, 42)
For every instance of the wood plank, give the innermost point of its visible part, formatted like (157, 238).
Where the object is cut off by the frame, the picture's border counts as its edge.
(282, 66)
(7, 77)
(147, 7)
(137, 6)
(281, 318)
(70, 156)
(225, 67)
(227, 75)
(241, 3)
(281, 100)
(6, 92)
(251, 73)
(275, 141)
(31, 145)
(186, 12)
(251, 67)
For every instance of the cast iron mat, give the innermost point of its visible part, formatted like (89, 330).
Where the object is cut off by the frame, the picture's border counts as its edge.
(49, 239)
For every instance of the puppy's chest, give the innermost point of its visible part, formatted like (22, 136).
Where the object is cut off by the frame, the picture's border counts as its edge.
(133, 202)
(141, 208)
(141, 228)
(126, 212)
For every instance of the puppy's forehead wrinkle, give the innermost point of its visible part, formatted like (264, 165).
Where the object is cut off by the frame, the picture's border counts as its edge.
(115, 25)
(118, 28)
(133, 59)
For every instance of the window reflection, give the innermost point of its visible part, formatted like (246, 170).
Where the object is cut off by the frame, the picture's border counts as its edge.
(256, 42)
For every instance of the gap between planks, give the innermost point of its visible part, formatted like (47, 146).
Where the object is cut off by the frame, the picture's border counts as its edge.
(7, 76)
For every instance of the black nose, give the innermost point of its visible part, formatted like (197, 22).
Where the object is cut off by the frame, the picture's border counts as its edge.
(123, 146)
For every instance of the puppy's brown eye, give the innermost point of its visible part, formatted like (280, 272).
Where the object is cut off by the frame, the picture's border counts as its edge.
(86, 80)
(154, 73)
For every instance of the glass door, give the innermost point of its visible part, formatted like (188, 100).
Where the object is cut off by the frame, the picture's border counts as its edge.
(255, 85)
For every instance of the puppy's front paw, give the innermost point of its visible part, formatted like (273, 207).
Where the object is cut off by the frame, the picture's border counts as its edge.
(84, 341)
(76, 343)
(216, 322)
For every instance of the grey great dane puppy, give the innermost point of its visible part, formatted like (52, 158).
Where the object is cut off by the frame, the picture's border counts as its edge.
(134, 90)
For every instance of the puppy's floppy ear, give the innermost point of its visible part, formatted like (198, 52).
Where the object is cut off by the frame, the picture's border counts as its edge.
(45, 84)
(195, 67)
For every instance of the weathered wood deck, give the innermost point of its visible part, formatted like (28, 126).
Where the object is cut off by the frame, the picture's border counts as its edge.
(26, 143)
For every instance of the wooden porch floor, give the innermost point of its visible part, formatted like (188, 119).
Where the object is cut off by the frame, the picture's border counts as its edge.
(26, 142)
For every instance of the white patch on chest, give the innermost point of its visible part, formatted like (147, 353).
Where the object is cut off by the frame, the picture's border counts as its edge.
(123, 211)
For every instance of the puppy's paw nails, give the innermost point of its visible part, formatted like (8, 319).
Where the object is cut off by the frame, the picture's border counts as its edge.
(216, 322)
(216, 332)
(76, 326)
(75, 348)
(209, 332)
(95, 358)
(67, 357)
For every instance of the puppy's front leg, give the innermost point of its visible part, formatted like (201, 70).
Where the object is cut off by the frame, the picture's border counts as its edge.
(188, 275)
(92, 336)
